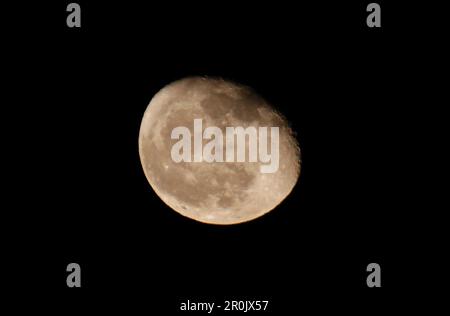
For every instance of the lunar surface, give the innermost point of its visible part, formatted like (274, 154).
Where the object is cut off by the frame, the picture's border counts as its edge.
(214, 192)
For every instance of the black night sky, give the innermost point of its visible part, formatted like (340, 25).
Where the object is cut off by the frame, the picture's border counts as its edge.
(346, 90)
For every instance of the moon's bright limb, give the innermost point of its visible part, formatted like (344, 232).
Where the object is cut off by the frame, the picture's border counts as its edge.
(217, 192)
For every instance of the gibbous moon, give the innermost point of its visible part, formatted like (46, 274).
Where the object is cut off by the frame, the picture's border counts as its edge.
(215, 192)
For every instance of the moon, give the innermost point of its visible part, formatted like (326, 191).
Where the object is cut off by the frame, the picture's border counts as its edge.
(220, 193)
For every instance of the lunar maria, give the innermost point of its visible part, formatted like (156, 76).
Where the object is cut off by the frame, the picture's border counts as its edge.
(213, 151)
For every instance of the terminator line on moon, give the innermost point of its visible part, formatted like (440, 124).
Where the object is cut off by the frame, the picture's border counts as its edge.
(214, 192)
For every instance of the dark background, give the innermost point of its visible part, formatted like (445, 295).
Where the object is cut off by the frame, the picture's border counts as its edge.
(347, 91)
